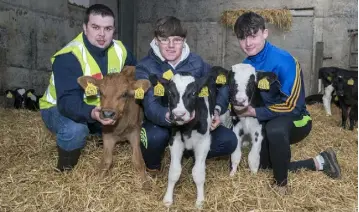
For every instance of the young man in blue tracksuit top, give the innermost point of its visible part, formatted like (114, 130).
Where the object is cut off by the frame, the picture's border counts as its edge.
(289, 121)
(169, 51)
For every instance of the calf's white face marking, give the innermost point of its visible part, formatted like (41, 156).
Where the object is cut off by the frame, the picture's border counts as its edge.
(242, 75)
(180, 111)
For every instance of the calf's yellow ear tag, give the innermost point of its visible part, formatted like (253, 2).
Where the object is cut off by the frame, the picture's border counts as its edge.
(221, 79)
(9, 95)
(91, 89)
(329, 78)
(336, 98)
(29, 94)
(263, 84)
(139, 93)
(159, 90)
(168, 74)
(204, 92)
(350, 81)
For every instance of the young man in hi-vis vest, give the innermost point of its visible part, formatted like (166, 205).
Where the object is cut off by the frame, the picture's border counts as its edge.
(65, 109)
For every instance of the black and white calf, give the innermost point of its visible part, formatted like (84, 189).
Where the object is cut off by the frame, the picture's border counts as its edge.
(346, 87)
(325, 78)
(31, 100)
(188, 98)
(15, 97)
(243, 80)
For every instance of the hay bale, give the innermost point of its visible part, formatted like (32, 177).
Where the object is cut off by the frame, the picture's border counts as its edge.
(281, 18)
(28, 181)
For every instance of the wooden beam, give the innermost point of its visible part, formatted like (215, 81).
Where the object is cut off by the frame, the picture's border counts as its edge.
(318, 63)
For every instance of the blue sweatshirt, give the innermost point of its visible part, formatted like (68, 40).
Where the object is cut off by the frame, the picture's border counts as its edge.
(66, 69)
(290, 76)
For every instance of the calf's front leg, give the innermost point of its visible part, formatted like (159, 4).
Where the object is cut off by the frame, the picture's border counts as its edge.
(137, 158)
(199, 170)
(109, 143)
(175, 170)
(344, 114)
(237, 154)
(254, 154)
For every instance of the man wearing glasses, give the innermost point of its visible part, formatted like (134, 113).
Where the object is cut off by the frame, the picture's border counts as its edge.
(170, 53)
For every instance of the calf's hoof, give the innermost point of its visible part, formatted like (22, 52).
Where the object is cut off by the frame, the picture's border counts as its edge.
(167, 203)
(146, 185)
(199, 204)
(103, 173)
(233, 172)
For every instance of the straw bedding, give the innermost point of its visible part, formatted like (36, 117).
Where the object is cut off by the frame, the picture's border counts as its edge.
(281, 18)
(29, 183)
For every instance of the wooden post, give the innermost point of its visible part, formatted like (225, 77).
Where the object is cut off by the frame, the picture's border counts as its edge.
(318, 63)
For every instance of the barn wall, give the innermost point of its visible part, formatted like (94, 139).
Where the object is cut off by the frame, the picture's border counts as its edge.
(31, 32)
(218, 45)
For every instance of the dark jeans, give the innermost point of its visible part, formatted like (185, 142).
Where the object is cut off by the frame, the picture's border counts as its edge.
(154, 140)
(70, 135)
(280, 133)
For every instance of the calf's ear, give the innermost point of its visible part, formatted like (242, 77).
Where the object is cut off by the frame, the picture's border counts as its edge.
(141, 86)
(153, 79)
(84, 81)
(10, 94)
(129, 71)
(265, 79)
(219, 74)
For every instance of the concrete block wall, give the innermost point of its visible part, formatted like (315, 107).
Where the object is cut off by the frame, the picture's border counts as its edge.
(31, 31)
(218, 45)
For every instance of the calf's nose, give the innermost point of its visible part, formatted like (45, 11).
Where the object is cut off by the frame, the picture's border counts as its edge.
(240, 101)
(108, 114)
(179, 114)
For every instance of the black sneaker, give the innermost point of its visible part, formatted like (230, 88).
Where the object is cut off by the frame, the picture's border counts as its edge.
(331, 165)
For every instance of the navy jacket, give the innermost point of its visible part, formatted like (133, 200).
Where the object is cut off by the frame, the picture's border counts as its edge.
(290, 97)
(66, 69)
(155, 108)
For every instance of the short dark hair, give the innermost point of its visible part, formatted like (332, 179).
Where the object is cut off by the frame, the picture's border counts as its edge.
(98, 9)
(169, 26)
(248, 24)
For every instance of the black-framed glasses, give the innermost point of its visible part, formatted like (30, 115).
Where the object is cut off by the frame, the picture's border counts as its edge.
(175, 40)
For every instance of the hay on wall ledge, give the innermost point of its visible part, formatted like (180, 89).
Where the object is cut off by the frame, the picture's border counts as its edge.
(281, 18)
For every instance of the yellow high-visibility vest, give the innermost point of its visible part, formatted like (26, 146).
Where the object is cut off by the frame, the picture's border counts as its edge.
(116, 54)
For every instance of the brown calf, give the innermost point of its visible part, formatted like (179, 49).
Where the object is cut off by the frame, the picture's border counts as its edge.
(118, 103)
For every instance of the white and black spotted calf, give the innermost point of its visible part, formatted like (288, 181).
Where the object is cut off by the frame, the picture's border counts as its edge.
(15, 98)
(20, 98)
(185, 103)
(346, 88)
(325, 79)
(32, 100)
(243, 81)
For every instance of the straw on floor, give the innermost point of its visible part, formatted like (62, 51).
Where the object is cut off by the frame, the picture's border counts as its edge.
(28, 181)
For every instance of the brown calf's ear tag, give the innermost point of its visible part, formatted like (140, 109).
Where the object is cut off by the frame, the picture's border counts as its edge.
(139, 93)
(168, 74)
(263, 84)
(159, 90)
(204, 92)
(350, 81)
(221, 79)
(329, 78)
(91, 89)
(336, 98)
(9, 95)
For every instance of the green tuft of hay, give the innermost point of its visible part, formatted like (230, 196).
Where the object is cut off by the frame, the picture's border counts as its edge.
(281, 18)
